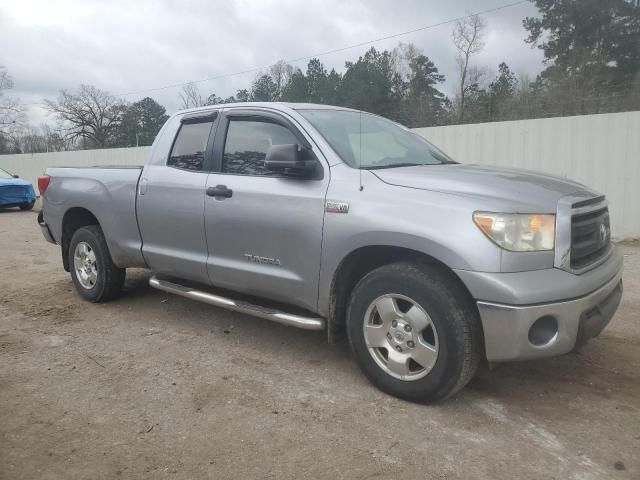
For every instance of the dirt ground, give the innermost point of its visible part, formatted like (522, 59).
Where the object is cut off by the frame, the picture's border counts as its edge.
(156, 386)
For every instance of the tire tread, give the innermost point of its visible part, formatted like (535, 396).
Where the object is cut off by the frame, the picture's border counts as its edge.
(462, 312)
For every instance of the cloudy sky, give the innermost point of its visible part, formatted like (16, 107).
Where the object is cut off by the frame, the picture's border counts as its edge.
(142, 45)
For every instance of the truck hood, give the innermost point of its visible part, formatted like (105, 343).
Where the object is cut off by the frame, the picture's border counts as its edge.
(520, 190)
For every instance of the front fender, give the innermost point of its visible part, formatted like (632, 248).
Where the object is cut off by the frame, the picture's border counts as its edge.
(435, 224)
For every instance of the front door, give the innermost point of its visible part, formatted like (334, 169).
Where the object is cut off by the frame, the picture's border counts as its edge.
(264, 231)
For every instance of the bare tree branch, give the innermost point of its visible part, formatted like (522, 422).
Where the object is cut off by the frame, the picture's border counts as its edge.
(91, 115)
(11, 111)
(468, 38)
(280, 72)
(191, 97)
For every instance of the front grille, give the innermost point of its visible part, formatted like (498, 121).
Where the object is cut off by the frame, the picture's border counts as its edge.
(590, 237)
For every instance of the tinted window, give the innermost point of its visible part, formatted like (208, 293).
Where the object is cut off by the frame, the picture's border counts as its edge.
(189, 147)
(247, 143)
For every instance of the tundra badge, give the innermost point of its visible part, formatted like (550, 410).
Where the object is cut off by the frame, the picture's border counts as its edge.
(265, 260)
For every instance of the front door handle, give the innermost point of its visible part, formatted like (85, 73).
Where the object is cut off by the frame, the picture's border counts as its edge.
(220, 191)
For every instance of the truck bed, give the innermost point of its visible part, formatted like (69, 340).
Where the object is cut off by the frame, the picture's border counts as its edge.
(109, 193)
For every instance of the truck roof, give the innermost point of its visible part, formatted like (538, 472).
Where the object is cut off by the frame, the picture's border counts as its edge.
(273, 105)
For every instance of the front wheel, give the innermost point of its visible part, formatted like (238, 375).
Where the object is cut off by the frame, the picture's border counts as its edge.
(93, 272)
(414, 331)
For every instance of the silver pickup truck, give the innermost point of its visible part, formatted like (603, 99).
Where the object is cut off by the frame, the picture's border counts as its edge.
(326, 218)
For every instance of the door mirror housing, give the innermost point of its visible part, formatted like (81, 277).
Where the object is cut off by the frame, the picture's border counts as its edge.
(290, 160)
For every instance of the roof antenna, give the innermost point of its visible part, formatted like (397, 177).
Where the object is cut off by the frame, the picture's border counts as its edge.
(360, 156)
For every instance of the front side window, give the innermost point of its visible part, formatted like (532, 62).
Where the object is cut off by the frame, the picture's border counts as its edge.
(190, 145)
(247, 143)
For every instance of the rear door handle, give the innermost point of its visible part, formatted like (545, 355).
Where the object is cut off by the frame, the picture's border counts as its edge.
(220, 191)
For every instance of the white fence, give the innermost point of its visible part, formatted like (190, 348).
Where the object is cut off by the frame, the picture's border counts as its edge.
(31, 165)
(602, 151)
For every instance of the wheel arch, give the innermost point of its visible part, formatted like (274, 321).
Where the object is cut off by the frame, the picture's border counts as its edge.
(360, 261)
(74, 218)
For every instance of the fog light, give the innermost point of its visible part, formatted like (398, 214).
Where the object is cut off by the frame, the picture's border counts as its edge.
(543, 331)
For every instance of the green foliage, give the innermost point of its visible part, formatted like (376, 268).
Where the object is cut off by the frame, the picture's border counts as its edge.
(505, 84)
(243, 95)
(424, 103)
(144, 119)
(264, 89)
(213, 99)
(592, 65)
(366, 84)
(591, 50)
(296, 89)
(372, 83)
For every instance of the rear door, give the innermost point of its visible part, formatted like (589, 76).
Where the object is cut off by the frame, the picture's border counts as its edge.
(171, 197)
(264, 231)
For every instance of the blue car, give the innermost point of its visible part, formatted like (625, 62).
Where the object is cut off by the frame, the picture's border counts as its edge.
(15, 192)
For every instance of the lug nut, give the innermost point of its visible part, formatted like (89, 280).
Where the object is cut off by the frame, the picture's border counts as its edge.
(394, 323)
(399, 348)
(410, 344)
(407, 328)
(389, 336)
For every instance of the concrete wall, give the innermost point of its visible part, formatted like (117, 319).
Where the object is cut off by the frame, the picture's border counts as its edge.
(602, 151)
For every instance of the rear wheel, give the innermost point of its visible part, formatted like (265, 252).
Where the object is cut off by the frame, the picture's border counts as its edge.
(414, 331)
(28, 205)
(93, 272)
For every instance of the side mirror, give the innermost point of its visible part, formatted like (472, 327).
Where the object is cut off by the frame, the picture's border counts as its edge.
(290, 160)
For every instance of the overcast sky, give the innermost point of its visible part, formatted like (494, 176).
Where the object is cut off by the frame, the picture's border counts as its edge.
(132, 45)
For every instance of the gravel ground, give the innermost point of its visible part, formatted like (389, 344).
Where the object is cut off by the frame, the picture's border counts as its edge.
(155, 386)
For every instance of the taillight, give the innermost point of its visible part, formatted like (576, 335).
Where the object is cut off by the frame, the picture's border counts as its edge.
(43, 183)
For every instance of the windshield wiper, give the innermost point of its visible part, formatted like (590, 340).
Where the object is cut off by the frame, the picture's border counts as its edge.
(394, 165)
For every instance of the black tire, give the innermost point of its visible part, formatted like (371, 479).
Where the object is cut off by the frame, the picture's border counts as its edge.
(110, 278)
(27, 206)
(453, 316)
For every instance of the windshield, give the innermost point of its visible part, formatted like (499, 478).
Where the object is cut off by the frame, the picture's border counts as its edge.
(368, 141)
(5, 174)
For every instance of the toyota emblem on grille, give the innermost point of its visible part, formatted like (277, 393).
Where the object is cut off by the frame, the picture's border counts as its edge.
(603, 233)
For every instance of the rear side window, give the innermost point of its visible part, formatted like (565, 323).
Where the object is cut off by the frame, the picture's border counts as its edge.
(189, 147)
(247, 143)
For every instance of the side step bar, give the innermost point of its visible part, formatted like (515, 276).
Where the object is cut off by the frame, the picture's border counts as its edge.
(307, 323)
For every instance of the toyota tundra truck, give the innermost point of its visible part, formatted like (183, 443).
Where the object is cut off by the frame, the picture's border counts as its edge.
(328, 218)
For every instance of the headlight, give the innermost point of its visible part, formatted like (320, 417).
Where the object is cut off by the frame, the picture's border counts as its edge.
(518, 232)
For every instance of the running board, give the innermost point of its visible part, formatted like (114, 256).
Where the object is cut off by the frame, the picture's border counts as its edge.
(307, 323)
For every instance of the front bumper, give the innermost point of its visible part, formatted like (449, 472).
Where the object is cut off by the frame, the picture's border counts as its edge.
(510, 333)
